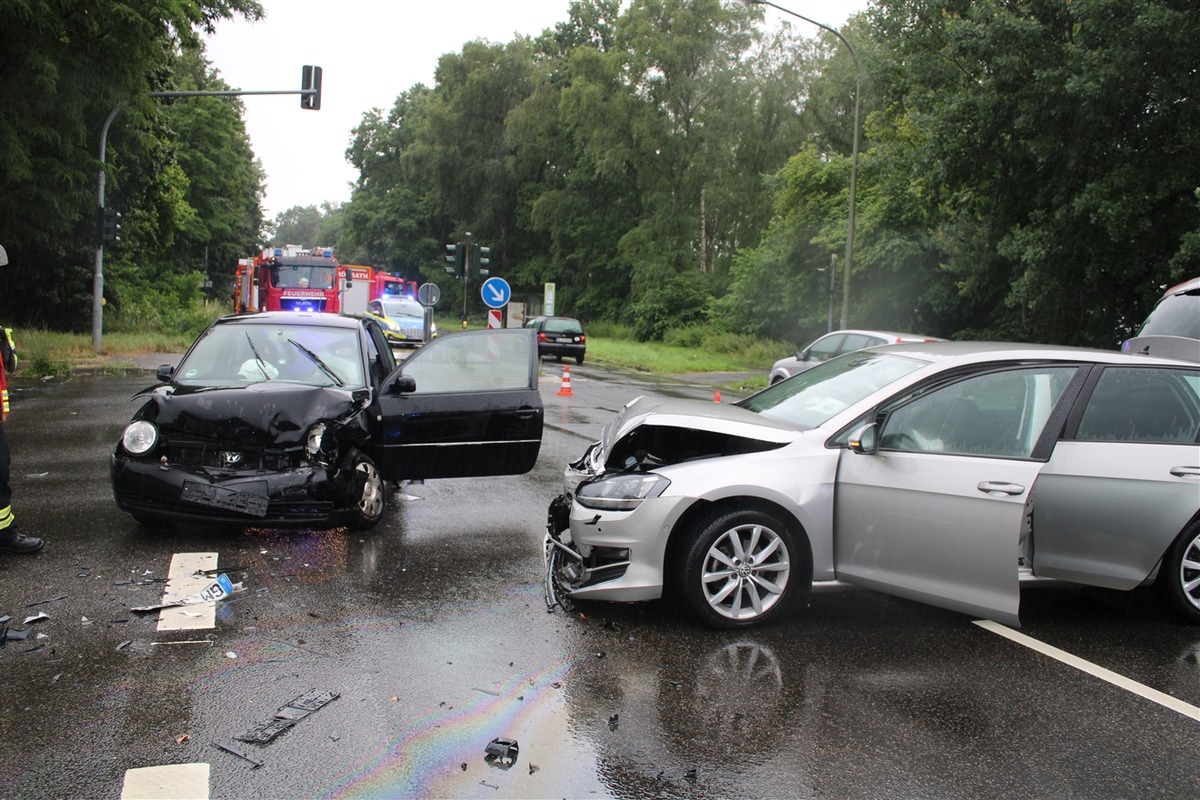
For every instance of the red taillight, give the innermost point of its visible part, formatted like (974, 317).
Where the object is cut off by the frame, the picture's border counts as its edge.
(582, 338)
(542, 337)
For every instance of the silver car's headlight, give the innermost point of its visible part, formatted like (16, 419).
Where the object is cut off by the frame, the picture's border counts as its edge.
(622, 491)
(139, 437)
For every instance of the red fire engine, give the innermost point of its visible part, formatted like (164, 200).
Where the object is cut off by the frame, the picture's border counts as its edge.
(371, 284)
(290, 278)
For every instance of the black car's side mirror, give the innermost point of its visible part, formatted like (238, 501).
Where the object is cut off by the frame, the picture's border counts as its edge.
(865, 440)
(164, 372)
(401, 384)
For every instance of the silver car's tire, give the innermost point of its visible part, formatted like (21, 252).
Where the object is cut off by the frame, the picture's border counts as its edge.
(1179, 578)
(740, 569)
(370, 494)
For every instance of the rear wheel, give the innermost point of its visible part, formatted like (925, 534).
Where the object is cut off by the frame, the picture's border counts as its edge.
(1179, 578)
(738, 569)
(370, 494)
(579, 358)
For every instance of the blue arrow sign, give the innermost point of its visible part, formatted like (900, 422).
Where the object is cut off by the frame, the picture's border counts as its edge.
(496, 293)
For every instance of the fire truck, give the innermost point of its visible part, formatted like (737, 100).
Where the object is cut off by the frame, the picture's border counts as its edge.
(370, 284)
(290, 278)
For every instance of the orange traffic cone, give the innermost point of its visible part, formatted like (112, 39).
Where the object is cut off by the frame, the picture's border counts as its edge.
(717, 396)
(565, 391)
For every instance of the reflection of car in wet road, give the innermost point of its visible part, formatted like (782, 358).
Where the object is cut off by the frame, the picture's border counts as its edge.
(948, 472)
(301, 419)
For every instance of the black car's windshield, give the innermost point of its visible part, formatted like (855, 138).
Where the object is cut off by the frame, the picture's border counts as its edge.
(811, 398)
(235, 354)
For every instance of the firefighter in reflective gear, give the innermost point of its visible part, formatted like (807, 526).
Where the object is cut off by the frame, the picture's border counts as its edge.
(11, 541)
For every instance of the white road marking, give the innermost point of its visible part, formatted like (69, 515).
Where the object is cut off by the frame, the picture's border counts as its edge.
(1163, 699)
(182, 581)
(183, 781)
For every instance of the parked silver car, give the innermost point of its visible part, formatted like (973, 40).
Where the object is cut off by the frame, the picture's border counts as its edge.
(835, 344)
(946, 472)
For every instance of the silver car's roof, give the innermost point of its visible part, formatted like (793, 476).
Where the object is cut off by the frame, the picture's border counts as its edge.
(736, 421)
(976, 352)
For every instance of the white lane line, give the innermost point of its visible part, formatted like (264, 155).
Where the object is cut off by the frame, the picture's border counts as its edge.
(1163, 699)
(182, 581)
(183, 781)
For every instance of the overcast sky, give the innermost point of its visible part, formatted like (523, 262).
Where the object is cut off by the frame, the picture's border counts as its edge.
(369, 51)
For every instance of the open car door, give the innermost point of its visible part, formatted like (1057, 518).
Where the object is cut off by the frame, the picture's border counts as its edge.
(476, 409)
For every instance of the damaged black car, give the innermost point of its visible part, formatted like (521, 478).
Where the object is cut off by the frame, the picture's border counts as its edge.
(306, 419)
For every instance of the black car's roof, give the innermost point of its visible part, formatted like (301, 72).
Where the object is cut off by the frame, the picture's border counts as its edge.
(308, 318)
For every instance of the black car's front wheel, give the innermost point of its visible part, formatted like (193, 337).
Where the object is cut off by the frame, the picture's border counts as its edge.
(370, 494)
(740, 569)
(1179, 576)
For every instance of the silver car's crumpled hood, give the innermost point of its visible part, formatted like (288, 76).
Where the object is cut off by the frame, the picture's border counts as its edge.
(721, 418)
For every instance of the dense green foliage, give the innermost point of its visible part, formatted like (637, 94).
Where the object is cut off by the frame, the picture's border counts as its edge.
(180, 171)
(1028, 169)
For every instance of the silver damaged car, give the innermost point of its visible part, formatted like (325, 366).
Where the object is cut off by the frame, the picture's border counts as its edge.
(951, 473)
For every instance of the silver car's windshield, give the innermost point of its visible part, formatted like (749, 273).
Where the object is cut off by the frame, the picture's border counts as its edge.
(811, 398)
(237, 355)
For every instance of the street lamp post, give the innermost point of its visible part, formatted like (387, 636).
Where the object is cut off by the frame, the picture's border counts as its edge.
(845, 323)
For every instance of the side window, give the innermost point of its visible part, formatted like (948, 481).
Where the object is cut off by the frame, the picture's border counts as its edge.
(825, 349)
(998, 414)
(1142, 404)
(476, 361)
(375, 307)
(857, 341)
(379, 355)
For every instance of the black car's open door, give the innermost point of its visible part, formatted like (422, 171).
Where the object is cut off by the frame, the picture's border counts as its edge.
(476, 409)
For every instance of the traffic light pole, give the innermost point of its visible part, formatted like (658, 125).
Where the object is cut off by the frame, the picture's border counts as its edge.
(466, 276)
(310, 98)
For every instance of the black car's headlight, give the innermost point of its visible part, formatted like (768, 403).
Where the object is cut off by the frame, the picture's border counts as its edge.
(140, 437)
(622, 491)
(316, 435)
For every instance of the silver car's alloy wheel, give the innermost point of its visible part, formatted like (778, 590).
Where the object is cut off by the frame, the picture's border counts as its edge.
(737, 572)
(1179, 577)
(371, 499)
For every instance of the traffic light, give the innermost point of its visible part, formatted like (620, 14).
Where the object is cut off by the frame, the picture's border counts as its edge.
(310, 81)
(479, 259)
(455, 254)
(108, 225)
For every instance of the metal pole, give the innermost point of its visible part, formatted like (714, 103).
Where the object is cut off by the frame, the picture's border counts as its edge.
(98, 270)
(466, 277)
(832, 285)
(854, 148)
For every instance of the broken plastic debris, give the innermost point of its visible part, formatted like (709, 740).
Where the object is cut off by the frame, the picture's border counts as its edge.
(239, 754)
(124, 644)
(230, 654)
(614, 721)
(37, 617)
(287, 716)
(533, 767)
(502, 752)
(48, 600)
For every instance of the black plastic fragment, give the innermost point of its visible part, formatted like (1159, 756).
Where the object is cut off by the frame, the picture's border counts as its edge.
(239, 754)
(287, 716)
(502, 752)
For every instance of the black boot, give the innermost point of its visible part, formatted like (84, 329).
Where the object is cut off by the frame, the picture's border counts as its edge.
(13, 542)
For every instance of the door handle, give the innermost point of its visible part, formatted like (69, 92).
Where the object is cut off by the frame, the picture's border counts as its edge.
(1184, 472)
(526, 413)
(998, 488)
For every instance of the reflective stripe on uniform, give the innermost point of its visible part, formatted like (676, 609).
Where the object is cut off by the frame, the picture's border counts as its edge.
(6, 517)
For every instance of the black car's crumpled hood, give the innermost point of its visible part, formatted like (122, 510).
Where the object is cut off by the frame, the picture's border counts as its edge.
(262, 414)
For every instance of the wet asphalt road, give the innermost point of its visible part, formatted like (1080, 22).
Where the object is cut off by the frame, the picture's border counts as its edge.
(433, 631)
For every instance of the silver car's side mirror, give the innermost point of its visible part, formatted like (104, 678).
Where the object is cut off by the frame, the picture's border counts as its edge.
(865, 440)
